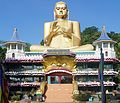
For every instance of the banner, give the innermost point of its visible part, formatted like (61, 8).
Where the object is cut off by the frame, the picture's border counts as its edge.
(3, 87)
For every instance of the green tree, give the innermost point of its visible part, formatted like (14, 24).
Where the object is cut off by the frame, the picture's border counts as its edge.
(42, 42)
(2, 53)
(117, 79)
(89, 35)
(27, 47)
(116, 37)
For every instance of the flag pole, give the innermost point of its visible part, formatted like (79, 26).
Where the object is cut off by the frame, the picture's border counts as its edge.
(101, 76)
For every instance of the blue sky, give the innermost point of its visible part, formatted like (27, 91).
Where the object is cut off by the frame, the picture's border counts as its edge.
(28, 16)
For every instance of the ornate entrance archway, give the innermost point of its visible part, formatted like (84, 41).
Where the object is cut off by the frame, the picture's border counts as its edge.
(59, 77)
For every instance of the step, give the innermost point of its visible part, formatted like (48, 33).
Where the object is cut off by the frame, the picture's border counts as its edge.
(59, 93)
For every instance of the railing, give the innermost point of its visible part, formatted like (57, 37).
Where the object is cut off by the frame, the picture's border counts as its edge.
(25, 84)
(30, 57)
(94, 73)
(95, 59)
(31, 73)
(92, 84)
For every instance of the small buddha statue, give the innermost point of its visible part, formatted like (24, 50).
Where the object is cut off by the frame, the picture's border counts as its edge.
(62, 33)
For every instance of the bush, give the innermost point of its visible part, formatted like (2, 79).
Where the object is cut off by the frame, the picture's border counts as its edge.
(84, 96)
(15, 97)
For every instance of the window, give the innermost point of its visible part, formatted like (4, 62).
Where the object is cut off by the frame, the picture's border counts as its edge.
(13, 46)
(27, 67)
(19, 46)
(111, 45)
(105, 45)
(38, 67)
(28, 79)
(13, 55)
(82, 66)
(106, 53)
(99, 46)
(108, 66)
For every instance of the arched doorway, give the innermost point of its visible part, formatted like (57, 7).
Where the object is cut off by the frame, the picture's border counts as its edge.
(59, 77)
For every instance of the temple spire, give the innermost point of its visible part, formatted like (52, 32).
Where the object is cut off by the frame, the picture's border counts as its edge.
(104, 35)
(15, 35)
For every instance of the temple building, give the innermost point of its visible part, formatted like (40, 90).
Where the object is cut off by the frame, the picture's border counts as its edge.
(62, 65)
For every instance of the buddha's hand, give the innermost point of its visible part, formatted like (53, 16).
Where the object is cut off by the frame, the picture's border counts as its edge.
(54, 29)
(67, 32)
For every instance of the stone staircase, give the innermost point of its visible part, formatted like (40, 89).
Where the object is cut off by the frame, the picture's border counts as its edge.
(59, 93)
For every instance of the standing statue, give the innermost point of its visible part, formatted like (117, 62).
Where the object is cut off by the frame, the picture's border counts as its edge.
(62, 33)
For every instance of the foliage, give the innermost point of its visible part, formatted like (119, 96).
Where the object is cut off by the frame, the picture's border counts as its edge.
(42, 42)
(27, 48)
(2, 53)
(15, 97)
(116, 37)
(117, 50)
(83, 96)
(117, 79)
(89, 35)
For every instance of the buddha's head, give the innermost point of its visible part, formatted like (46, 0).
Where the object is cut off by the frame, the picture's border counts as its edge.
(61, 10)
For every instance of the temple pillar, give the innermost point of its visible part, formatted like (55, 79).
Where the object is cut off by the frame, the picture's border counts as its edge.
(10, 46)
(49, 80)
(16, 46)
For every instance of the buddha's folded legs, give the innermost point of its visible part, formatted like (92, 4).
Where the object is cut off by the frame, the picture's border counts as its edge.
(75, 48)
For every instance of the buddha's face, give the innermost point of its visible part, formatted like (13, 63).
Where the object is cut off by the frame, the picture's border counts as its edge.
(61, 11)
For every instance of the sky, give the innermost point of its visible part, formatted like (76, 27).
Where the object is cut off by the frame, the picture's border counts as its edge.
(29, 16)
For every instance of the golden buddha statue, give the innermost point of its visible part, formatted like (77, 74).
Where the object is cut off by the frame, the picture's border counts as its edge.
(61, 33)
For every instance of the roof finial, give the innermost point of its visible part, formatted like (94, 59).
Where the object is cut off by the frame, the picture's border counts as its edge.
(15, 30)
(103, 29)
(15, 35)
